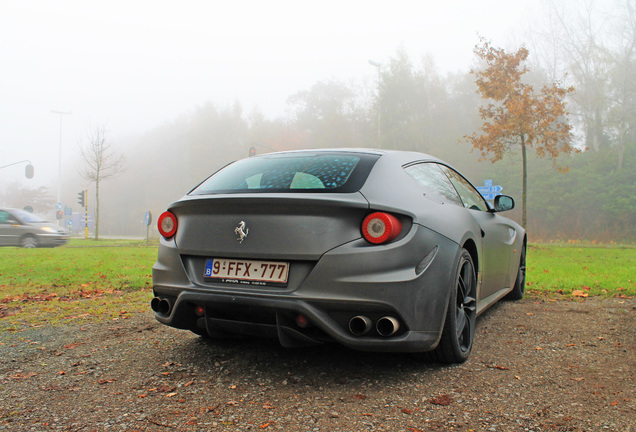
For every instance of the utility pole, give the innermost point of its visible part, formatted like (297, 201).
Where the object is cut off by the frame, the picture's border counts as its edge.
(379, 66)
(59, 161)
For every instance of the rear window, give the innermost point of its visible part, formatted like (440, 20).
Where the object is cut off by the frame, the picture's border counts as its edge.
(291, 172)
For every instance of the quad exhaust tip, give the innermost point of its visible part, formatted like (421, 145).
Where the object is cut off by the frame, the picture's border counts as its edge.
(360, 325)
(161, 305)
(386, 326)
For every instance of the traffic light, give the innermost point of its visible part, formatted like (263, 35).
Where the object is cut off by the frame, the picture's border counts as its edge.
(81, 198)
(59, 214)
(252, 151)
(28, 171)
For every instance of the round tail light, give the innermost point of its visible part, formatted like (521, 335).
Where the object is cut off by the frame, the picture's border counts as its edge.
(167, 224)
(380, 227)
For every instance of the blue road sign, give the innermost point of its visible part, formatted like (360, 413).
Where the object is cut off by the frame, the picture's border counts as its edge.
(488, 191)
(148, 218)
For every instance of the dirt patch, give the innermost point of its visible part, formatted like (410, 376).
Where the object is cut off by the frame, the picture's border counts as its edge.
(536, 366)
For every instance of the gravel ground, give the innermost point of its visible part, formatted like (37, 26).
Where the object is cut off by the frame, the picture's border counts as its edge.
(536, 366)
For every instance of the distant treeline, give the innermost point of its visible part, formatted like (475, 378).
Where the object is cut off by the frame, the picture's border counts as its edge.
(411, 106)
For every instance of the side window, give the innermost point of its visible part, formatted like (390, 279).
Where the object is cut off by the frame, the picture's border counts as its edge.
(470, 197)
(431, 177)
(4, 217)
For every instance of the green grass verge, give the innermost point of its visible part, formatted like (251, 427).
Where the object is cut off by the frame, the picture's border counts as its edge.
(111, 279)
(83, 280)
(580, 271)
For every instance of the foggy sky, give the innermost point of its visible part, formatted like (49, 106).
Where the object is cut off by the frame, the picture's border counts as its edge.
(134, 65)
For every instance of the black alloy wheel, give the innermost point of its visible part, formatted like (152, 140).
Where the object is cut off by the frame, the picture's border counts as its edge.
(466, 305)
(459, 328)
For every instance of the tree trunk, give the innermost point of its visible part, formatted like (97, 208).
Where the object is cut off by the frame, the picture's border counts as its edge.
(97, 209)
(524, 182)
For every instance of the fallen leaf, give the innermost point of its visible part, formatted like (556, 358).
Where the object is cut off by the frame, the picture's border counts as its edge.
(443, 400)
(407, 411)
(264, 425)
(23, 376)
(359, 396)
(106, 381)
(497, 367)
(579, 293)
(163, 388)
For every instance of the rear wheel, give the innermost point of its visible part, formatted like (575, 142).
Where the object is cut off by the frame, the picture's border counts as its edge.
(520, 284)
(28, 242)
(459, 327)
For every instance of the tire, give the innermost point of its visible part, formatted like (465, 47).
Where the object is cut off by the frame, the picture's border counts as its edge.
(28, 242)
(520, 284)
(456, 342)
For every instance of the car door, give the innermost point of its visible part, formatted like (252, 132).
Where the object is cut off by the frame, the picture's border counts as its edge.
(497, 237)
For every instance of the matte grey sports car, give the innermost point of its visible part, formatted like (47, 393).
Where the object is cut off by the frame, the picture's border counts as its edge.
(376, 250)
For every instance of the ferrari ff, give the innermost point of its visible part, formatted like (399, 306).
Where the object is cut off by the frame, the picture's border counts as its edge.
(376, 250)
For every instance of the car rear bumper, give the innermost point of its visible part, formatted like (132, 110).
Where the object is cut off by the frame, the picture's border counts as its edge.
(405, 283)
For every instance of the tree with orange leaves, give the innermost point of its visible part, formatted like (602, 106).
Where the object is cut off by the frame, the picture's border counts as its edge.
(516, 115)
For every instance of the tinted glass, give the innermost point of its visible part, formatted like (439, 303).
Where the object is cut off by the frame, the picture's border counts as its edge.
(432, 178)
(469, 195)
(289, 172)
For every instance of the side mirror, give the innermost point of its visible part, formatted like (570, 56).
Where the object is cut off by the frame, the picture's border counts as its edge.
(504, 203)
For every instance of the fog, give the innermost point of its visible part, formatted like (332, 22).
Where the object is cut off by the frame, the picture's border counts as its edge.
(184, 87)
(135, 65)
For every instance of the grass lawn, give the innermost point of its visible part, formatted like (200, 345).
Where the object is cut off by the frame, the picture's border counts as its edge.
(581, 271)
(85, 279)
(111, 279)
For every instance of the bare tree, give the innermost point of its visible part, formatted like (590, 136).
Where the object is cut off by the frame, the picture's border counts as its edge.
(101, 163)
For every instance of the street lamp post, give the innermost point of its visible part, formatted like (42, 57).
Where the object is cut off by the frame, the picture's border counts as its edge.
(379, 66)
(59, 162)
